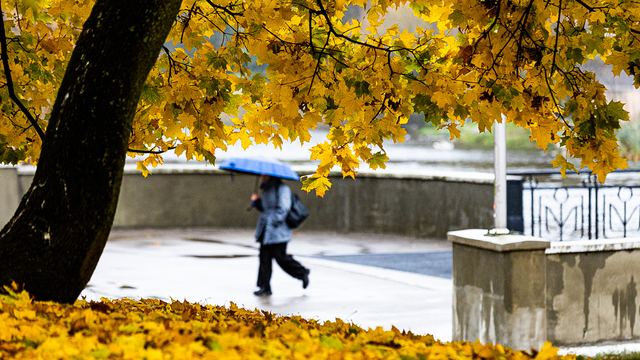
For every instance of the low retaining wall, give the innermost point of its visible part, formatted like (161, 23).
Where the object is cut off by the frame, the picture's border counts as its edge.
(418, 205)
(10, 193)
(521, 291)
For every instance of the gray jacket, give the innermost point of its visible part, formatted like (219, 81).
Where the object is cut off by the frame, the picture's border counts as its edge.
(271, 222)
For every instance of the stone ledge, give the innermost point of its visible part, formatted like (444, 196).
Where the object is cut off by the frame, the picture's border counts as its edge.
(415, 174)
(501, 243)
(584, 246)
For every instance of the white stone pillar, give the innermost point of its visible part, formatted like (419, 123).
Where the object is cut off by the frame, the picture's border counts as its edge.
(500, 170)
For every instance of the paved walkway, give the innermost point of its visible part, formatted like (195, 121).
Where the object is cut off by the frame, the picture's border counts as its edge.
(216, 266)
(370, 280)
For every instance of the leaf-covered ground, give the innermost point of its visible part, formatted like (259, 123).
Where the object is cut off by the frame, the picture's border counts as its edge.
(154, 329)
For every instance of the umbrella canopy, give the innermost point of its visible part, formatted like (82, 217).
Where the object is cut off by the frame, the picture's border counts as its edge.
(261, 166)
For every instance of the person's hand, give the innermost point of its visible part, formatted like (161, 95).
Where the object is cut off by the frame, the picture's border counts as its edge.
(254, 197)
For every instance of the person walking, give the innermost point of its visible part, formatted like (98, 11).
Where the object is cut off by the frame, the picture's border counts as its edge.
(273, 234)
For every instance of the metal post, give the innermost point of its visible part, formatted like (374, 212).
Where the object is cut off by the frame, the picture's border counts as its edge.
(533, 233)
(589, 212)
(595, 189)
(515, 210)
(500, 170)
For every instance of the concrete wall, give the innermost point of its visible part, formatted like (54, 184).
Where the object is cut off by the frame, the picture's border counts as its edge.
(413, 205)
(10, 193)
(592, 292)
(499, 287)
(521, 291)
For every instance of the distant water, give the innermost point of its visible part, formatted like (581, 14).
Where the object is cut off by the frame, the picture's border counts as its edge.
(403, 157)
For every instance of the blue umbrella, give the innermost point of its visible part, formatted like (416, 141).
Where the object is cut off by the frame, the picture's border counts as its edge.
(261, 166)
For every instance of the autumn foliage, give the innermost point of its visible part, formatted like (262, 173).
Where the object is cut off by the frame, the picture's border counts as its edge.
(154, 329)
(269, 71)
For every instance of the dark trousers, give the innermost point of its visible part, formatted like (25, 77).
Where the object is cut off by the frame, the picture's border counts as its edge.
(286, 262)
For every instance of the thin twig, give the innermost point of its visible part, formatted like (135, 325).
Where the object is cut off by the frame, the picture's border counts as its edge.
(523, 23)
(382, 107)
(156, 152)
(224, 8)
(186, 24)
(555, 103)
(166, 50)
(585, 5)
(7, 73)
(315, 71)
(490, 28)
(555, 48)
(332, 30)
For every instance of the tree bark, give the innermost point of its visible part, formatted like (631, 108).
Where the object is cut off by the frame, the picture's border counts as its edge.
(53, 243)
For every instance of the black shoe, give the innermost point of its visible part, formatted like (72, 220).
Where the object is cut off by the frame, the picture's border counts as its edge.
(262, 292)
(305, 280)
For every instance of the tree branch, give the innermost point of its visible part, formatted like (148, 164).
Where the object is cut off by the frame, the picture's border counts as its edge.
(171, 61)
(493, 24)
(223, 8)
(316, 70)
(186, 24)
(555, 102)
(151, 151)
(382, 107)
(523, 23)
(555, 48)
(206, 17)
(332, 30)
(7, 73)
(585, 5)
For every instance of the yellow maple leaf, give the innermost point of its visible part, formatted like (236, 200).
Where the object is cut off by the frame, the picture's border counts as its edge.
(561, 162)
(442, 99)
(318, 183)
(378, 160)
(245, 140)
(141, 167)
(547, 352)
(619, 60)
(598, 16)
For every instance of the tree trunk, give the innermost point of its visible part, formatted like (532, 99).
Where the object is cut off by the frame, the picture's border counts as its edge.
(53, 243)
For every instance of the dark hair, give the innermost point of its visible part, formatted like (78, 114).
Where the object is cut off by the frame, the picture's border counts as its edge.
(272, 181)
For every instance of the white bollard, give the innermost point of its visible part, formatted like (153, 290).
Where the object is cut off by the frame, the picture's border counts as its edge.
(500, 170)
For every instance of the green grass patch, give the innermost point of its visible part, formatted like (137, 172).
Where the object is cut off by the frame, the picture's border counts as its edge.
(629, 140)
(472, 139)
(624, 355)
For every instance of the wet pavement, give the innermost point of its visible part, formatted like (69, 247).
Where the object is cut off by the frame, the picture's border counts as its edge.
(368, 279)
(437, 263)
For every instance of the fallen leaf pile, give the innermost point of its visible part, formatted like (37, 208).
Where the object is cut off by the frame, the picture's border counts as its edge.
(154, 329)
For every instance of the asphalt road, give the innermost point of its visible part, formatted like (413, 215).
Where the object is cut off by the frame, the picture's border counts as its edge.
(426, 263)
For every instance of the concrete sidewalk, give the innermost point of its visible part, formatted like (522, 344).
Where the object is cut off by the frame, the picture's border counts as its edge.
(219, 266)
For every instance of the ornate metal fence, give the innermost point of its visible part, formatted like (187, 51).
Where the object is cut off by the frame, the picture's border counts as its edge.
(580, 208)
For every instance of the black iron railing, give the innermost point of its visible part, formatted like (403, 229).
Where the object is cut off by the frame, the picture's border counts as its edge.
(577, 208)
